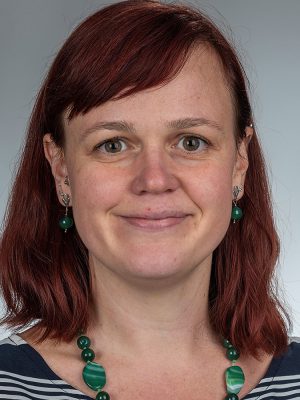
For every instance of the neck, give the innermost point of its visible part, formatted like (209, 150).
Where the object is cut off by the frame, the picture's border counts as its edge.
(158, 317)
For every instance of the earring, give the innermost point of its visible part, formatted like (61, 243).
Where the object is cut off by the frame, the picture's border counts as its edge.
(236, 213)
(66, 181)
(66, 222)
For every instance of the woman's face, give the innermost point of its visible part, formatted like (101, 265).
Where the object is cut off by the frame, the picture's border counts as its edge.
(151, 175)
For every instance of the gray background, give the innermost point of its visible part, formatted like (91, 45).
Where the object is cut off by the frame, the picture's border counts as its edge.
(266, 33)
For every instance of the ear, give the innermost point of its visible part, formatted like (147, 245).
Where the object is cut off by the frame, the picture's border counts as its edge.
(55, 156)
(242, 163)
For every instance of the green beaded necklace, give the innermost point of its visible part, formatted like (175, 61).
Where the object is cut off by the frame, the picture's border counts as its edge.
(95, 378)
(234, 375)
(93, 373)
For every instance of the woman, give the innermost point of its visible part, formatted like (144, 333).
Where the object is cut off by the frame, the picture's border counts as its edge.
(140, 228)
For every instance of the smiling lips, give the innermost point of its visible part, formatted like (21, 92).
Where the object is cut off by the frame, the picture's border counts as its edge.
(156, 220)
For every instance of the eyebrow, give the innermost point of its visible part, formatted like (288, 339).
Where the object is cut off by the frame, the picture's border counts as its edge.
(185, 123)
(123, 126)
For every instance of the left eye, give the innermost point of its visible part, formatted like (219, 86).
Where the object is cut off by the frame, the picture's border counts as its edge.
(115, 145)
(192, 143)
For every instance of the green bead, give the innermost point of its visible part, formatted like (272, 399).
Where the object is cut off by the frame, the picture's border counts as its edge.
(227, 344)
(232, 354)
(102, 396)
(83, 342)
(236, 213)
(66, 222)
(235, 379)
(231, 396)
(87, 355)
(94, 375)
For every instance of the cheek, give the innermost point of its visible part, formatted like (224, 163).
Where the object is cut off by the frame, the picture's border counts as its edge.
(212, 194)
(211, 187)
(96, 187)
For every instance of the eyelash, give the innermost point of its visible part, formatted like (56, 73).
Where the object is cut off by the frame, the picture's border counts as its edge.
(121, 139)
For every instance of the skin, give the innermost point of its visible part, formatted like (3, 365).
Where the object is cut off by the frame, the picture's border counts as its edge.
(151, 276)
(154, 174)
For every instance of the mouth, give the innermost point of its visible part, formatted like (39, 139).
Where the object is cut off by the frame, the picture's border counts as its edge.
(156, 221)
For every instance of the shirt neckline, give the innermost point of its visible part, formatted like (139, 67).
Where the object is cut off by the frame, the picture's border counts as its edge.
(35, 356)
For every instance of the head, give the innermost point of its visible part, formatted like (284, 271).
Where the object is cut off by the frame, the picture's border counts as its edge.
(124, 55)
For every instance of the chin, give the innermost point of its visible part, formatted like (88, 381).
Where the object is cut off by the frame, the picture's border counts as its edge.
(156, 270)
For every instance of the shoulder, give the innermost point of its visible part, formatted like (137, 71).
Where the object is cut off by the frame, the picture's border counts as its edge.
(12, 355)
(282, 377)
(18, 358)
(287, 366)
(19, 361)
(291, 360)
(24, 374)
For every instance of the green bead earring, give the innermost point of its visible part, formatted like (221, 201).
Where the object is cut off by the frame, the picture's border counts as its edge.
(65, 222)
(236, 213)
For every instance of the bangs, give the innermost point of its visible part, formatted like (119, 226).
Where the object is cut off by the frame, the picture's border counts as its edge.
(136, 50)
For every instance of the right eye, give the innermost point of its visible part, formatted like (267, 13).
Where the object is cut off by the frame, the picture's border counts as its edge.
(112, 146)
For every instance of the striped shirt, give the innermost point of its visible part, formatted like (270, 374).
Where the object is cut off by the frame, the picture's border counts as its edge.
(25, 375)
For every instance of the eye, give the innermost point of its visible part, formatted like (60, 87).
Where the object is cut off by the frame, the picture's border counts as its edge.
(192, 143)
(114, 145)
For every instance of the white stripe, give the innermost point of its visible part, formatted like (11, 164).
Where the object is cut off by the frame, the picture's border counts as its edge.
(276, 386)
(34, 395)
(294, 339)
(281, 378)
(17, 339)
(280, 394)
(32, 379)
(7, 341)
(13, 340)
(50, 388)
(12, 396)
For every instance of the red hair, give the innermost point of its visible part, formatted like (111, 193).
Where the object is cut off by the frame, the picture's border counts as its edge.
(126, 48)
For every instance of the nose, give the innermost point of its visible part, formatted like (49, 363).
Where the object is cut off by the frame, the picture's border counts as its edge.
(153, 174)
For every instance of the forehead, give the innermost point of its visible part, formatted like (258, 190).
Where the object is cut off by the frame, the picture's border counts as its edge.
(200, 89)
